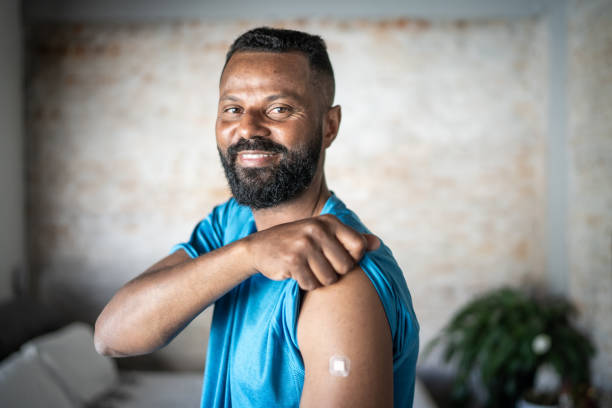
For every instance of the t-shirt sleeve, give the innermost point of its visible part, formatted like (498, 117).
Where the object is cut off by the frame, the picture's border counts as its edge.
(207, 235)
(388, 280)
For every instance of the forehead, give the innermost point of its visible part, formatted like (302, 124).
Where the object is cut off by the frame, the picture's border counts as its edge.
(266, 71)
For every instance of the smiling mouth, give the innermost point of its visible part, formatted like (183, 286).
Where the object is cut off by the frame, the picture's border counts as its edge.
(250, 158)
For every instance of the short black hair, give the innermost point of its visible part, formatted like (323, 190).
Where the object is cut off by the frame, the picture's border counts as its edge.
(267, 39)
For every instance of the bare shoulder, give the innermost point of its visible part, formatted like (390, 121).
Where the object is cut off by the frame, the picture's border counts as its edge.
(346, 319)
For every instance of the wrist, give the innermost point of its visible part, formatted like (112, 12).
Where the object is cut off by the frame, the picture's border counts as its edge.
(244, 252)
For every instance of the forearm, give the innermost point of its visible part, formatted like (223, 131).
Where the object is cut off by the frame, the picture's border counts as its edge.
(150, 310)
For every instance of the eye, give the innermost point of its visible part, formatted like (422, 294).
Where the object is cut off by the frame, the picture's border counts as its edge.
(280, 111)
(232, 110)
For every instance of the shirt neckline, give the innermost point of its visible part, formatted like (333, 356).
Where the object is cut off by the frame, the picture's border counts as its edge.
(332, 202)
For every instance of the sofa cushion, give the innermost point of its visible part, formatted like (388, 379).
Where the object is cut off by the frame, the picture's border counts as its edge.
(150, 389)
(24, 382)
(69, 354)
(22, 319)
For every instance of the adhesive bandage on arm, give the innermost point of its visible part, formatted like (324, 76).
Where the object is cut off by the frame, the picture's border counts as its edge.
(339, 366)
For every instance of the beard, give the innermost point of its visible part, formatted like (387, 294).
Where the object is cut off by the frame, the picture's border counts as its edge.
(265, 187)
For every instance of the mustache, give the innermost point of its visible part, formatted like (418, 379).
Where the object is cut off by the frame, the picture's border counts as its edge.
(255, 143)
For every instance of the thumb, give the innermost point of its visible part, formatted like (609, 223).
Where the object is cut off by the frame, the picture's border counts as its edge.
(373, 242)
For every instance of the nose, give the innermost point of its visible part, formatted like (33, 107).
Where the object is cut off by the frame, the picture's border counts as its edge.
(252, 124)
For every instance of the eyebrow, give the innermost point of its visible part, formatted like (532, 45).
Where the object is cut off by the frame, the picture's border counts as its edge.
(270, 98)
(290, 95)
(229, 98)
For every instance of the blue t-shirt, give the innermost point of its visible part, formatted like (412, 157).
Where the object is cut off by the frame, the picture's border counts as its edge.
(253, 357)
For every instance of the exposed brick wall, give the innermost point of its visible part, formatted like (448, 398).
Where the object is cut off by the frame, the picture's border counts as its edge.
(441, 151)
(590, 147)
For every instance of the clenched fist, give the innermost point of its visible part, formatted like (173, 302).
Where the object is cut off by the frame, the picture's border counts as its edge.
(314, 251)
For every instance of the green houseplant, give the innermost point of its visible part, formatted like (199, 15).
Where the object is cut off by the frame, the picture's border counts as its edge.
(502, 337)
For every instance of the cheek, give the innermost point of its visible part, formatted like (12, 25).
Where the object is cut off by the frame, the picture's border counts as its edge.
(296, 134)
(223, 134)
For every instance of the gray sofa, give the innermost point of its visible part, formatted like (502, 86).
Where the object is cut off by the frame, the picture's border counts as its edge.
(61, 369)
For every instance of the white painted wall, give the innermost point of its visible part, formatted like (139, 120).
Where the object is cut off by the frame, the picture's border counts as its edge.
(12, 222)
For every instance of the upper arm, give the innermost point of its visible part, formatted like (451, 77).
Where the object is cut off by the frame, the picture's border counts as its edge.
(347, 319)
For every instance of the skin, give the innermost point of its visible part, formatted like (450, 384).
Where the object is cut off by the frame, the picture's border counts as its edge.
(274, 96)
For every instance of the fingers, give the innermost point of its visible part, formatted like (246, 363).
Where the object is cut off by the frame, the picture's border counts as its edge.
(341, 249)
(327, 260)
(305, 278)
(324, 272)
(337, 255)
(315, 252)
(354, 242)
(373, 242)
(333, 260)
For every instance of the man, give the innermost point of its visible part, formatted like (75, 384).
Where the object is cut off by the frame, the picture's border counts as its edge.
(310, 309)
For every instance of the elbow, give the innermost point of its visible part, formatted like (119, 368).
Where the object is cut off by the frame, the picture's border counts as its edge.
(103, 340)
(108, 343)
(105, 349)
(101, 344)
(102, 347)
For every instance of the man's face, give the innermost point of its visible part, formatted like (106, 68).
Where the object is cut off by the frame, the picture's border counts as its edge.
(268, 128)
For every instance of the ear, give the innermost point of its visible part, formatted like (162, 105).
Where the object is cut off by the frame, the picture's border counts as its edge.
(331, 125)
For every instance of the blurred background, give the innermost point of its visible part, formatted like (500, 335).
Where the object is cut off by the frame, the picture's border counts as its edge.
(476, 141)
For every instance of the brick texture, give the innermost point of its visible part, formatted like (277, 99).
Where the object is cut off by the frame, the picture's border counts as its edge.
(441, 152)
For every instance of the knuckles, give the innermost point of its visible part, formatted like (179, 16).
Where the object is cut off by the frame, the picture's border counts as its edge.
(315, 228)
(328, 217)
(292, 258)
(294, 245)
(302, 244)
(357, 247)
(310, 228)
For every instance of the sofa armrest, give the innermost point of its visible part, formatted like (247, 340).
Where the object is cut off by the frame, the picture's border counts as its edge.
(24, 382)
(69, 355)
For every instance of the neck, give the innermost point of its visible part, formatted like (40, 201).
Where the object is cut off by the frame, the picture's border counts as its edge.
(306, 205)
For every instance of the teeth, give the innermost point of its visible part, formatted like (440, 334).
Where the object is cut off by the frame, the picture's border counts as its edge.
(251, 156)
